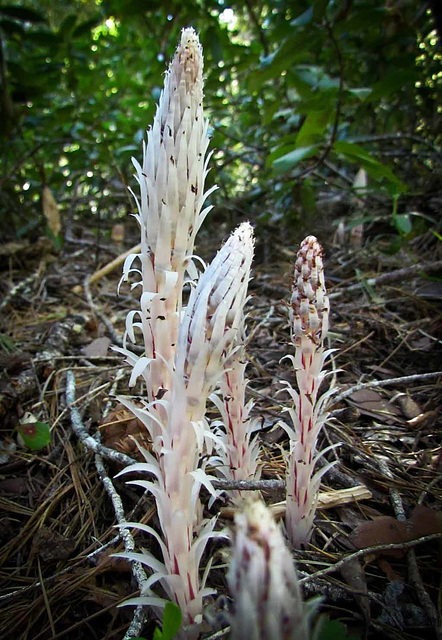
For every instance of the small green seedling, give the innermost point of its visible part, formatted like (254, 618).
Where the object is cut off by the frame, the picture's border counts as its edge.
(34, 435)
(172, 618)
(171, 622)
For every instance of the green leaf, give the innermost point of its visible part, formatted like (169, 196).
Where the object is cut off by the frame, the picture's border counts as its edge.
(314, 126)
(290, 160)
(394, 81)
(67, 25)
(172, 619)
(269, 112)
(361, 92)
(11, 27)
(374, 168)
(334, 630)
(35, 435)
(280, 60)
(403, 223)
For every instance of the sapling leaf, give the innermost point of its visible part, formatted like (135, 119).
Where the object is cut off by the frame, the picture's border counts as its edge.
(403, 223)
(171, 621)
(290, 160)
(35, 435)
(334, 630)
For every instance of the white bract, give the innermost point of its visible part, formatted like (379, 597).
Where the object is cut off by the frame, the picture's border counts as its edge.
(263, 581)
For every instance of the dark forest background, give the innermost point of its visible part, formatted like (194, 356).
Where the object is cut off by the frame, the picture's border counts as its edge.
(300, 97)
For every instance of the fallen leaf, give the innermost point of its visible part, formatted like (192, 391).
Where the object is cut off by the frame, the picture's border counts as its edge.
(51, 545)
(409, 407)
(373, 404)
(34, 435)
(98, 348)
(382, 530)
(14, 486)
(425, 521)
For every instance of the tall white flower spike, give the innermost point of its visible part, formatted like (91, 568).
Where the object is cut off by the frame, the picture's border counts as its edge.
(206, 338)
(309, 314)
(238, 448)
(170, 212)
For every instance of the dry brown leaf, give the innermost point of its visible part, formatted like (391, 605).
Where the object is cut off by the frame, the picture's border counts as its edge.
(387, 530)
(382, 530)
(373, 404)
(106, 562)
(98, 348)
(51, 545)
(425, 521)
(410, 407)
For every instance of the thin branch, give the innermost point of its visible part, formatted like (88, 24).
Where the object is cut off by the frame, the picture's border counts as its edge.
(254, 19)
(368, 551)
(392, 276)
(413, 569)
(396, 136)
(88, 441)
(334, 132)
(385, 383)
(139, 618)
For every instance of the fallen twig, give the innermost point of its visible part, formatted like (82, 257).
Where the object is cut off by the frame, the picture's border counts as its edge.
(392, 276)
(88, 441)
(140, 576)
(369, 550)
(109, 267)
(413, 570)
(385, 383)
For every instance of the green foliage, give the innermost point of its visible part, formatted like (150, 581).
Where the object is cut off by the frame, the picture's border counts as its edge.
(35, 435)
(288, 86)
(172, 619)
(333, 630)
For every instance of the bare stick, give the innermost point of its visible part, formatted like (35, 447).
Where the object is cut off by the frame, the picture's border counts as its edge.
(386, 383)
(392, 276)
(110, 266)
(413, 570)
(140, 576)
(368, 551)
(88, 441)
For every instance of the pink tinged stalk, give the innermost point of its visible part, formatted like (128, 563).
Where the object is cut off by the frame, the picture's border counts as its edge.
(170, 212)
(263, 582)
(309, 314)
(206, 337)
(238, 452)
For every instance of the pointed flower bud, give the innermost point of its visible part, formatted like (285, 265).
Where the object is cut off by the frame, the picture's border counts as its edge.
(309, 308)
(170, 212)
(263, 581)
(213, 317)
(309, 315)
(174, 164)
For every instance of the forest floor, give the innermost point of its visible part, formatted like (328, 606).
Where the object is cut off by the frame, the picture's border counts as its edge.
(57, 535)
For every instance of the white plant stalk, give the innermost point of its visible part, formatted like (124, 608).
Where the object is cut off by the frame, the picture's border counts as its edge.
(239, 451)
(263, 581)
(206, 337)
(309, 314)
(170, 212)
